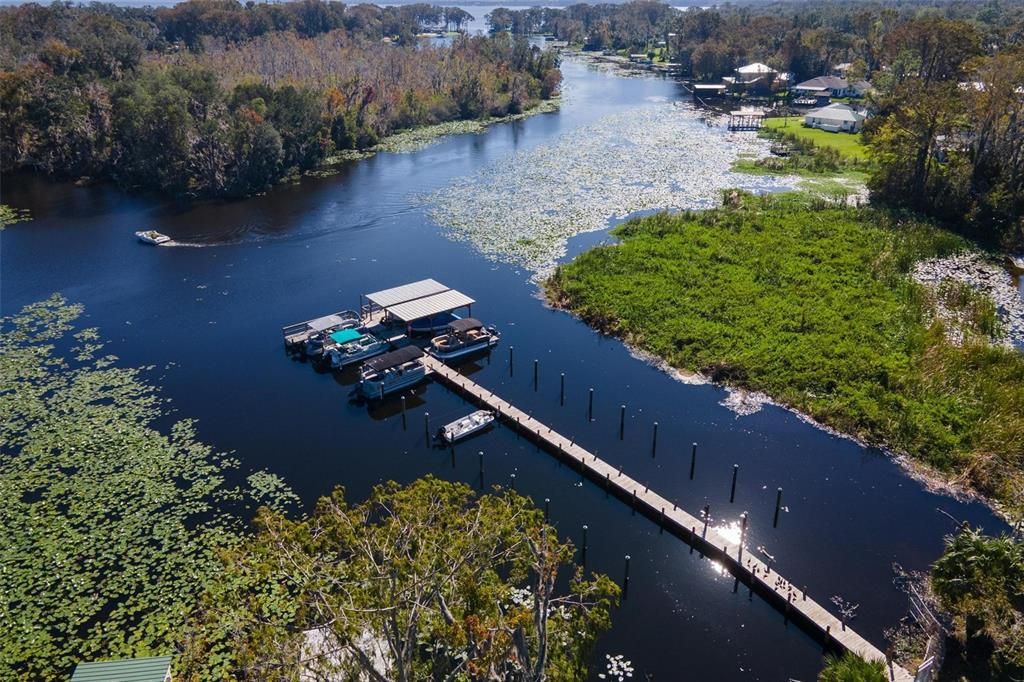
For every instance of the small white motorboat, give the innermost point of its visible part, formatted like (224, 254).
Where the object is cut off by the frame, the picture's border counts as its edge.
(152, 237)
(465, 427)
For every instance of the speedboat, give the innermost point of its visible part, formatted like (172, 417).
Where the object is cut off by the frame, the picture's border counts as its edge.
(152, 237)
(392, 372)
(463, 337)
(465, 427)
(349, 346)
(299, 334)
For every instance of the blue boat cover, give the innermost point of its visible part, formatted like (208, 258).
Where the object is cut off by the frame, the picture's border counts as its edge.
(345, 336)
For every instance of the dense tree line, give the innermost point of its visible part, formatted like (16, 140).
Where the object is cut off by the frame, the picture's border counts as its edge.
(949, 135)
(213, 98)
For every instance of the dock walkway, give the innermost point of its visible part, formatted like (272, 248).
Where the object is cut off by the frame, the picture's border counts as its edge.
(742, 564)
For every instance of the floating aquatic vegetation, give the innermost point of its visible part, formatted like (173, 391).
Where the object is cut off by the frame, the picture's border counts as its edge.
(522, 209)
(10, 215)
(111, 529)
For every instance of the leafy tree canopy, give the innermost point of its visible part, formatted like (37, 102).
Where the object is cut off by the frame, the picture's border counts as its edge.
(423, 582)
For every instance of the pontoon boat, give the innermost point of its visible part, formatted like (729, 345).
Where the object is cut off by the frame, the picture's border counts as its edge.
(392, 372)
(462, 338)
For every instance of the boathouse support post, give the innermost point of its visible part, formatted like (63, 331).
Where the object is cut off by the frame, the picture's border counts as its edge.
(778, 505)
(732, 491)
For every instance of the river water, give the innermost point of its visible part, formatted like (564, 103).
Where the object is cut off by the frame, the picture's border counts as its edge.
(208, 319)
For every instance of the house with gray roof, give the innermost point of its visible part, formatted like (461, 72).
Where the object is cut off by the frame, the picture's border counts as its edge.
(835, 118)
(832, 86)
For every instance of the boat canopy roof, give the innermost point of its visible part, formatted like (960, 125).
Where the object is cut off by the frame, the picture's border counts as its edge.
(465, 324)
(394, 358)
(430, 305)
(325, 322)
(346, 335)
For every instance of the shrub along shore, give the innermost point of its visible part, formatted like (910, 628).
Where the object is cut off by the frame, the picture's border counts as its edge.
(812, 304)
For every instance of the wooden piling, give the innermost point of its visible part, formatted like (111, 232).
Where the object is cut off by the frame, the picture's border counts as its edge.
(732, 490)
(654, 441)
(426, 427)
(403, 413)
(590, 406)
(622, 422)
(510, 365)
(693, 460)
(778, 506)
(561, 393)
(536, 366)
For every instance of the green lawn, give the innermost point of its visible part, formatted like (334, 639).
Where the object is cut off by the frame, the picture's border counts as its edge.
(812, 305)
(847, 144)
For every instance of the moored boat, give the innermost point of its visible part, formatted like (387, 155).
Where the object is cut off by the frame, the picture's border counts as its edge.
(463, 337)
(348, 346)
(152, 237)
(466, 426)
(392, 372)
(297, 335)
(433, 323)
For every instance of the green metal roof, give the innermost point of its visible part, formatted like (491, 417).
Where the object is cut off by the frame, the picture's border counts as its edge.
(346, 335)
(153, 669)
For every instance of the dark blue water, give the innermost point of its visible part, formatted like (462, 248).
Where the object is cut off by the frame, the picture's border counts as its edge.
(209, 320)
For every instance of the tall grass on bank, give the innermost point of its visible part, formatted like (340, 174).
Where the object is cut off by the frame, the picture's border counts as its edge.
(813, 305)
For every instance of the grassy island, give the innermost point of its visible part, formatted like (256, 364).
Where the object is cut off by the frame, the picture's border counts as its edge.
(812, 304)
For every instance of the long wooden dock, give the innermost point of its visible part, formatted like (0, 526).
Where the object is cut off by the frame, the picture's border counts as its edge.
(745, 566)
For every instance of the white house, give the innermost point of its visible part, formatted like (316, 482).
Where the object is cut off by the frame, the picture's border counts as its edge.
(753, 72)
(835, 118)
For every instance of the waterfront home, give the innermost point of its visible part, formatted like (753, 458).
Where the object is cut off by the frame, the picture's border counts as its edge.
(832, 86)
(754, 72)
(835, 118)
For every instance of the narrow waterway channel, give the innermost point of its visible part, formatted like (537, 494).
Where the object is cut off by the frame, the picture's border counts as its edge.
(208, 319)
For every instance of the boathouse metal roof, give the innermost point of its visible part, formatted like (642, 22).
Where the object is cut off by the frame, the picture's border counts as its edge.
(394, 358)
(153, 669)
(430, 305)
(407, 292)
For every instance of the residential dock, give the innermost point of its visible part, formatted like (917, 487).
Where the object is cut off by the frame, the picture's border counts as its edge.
(742, 564)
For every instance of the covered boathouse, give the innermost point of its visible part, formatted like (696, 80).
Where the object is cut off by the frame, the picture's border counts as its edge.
(426, 305)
